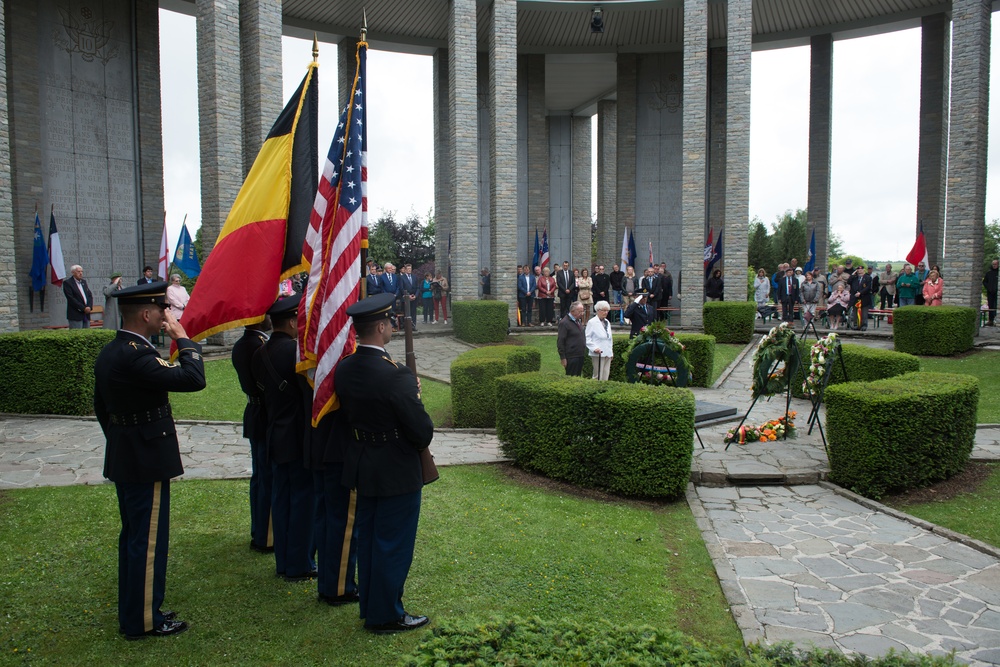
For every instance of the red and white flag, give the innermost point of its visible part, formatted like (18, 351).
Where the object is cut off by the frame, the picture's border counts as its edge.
(337, 233)
(55, 252)
(919, 252)
(163, 266)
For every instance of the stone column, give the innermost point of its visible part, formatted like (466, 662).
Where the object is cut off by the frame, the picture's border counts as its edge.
(219, 112)
(693, 161)
(932, 162)
(717, 83)
(626, 121)
(609, 236)
(464, 167)
(347, 65)
(147, 60)
(503, 144)
(734, 258)
(443, 226)
(260, 53)
(538, 144)
(8, 270)
(970, 88)
(581, 192)
(820, 128)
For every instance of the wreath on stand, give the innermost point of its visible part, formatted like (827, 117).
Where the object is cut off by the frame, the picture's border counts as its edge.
(668, 349)
(774, 362)
(820, 354)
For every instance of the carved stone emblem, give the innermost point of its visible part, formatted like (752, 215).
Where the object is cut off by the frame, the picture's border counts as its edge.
(86, 35)
(668, 94)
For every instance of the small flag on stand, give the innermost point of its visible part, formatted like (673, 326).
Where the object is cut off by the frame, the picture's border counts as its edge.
(537, 256)
(186, 257)
(624, 257)
(918, 253)
(55, 252)
(39, 260)
(708, 250)
(632, 254)
(545, 250)
(811, 264)
(163, 263)
(716, 253)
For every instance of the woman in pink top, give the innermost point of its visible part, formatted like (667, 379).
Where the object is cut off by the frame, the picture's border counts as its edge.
(933, 289)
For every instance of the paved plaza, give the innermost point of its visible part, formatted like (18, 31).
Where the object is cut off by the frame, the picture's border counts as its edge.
(798, 558)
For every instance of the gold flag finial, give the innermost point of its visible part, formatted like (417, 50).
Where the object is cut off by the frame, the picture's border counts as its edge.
(315, 49)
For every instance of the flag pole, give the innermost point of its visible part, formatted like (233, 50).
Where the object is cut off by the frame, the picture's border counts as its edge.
(363, 283)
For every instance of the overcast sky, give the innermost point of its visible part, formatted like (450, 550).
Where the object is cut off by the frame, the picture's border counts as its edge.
(875, 130)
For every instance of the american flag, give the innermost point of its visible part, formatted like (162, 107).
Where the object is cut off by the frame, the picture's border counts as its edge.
(545, 249)
(338, 231)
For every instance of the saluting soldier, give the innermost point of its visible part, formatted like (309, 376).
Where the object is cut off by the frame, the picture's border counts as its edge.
(388, 428)
(255, 430)
(291, 484)
(132, 404)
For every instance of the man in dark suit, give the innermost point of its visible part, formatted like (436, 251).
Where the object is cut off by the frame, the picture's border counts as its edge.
(565, 284)
(666, 288)
(651, 284)
(79, 300)
(255, 430)
(571, 340)
(131, 401)
(639, 313)
(291, 484)
(147, 277)
(860, 287)
(408, 286)
(788, 294)
(526, 285)
(390, 285)
(373, 283)
(602, 285)
(388, 428)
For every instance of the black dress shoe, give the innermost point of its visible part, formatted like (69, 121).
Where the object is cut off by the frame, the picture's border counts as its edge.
(406, 622)
(305, 576)
(167, 616)
(338, 600)
(171, 627)
(261, 550)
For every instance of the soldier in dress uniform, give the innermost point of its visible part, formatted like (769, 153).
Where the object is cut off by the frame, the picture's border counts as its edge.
(255, 430)
(388, 428)
(132, 405)
(291, 484)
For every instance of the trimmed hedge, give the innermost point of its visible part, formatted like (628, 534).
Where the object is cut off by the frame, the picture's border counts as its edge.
(50, 372)
(518, 641)
(729, 321)
(864, 364)
(479, 322)
(900, 433)
(575, 429)
(701, 354)
(473, 375)
(939, 331)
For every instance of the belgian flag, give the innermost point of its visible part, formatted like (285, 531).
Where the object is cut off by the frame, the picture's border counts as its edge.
(261, 241)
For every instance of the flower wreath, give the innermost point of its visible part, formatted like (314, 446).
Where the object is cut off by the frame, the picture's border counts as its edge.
(773, 348)
(822, 350)
(661, 333)
(772, 430)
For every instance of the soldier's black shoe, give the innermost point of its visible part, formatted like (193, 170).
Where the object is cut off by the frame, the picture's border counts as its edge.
(405, 623)
(305, 576)
(172, 627)
(261, 550)
(338, 600)
(167, 616)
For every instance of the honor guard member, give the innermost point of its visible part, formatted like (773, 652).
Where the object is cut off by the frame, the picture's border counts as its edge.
(132, 405)
(255, 430)
(291, 484)
(335, 529)
(388, 428)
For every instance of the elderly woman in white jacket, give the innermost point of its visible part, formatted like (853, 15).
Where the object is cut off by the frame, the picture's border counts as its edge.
(599, 341)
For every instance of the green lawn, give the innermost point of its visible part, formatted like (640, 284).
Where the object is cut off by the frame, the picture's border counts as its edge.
(487, 547)
(985, 365)
(221, 400)
(973, 514)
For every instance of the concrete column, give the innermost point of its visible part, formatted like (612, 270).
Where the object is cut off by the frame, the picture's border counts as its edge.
(609, 236)
(581, 192)
(347, 65)
(503, 144)
(220, 112)
(538, 144)
(694, 160)
(820, 132)
(932, 162)
(260, 53)
(147, 61)
(443, 225)
(8, 270)
(464, 168)
(626, 119)
(734, 258)
(716, 141)
(970, 88)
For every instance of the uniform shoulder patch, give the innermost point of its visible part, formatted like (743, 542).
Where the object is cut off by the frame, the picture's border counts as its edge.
(164, 362)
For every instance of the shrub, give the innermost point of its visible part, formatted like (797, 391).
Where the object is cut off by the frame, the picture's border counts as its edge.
(50, 372)
(940, 331)
(900, 433)
(729, 321)
(480, 321)
(701, 354)
(473, 375)
(563, 428)
(863, 364)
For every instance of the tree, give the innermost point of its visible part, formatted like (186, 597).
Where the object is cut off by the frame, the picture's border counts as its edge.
(408, 242)
(789, 239)
(759, 255)
(835, 246)
(991, 244)
(381, 247)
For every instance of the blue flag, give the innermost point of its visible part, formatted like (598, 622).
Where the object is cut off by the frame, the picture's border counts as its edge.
(631, 249)
(186, 257)
(811, 264)
(39, 258)
(538, 253)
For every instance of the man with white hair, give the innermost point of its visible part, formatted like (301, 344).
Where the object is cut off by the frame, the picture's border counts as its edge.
(79, 300)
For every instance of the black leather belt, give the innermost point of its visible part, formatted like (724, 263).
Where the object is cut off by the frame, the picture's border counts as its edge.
(140, 418)
(255, 400)
(376, 436)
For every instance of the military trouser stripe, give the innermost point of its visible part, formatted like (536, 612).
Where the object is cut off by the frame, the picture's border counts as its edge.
(154, 524)
(270, 530)
(345, 554)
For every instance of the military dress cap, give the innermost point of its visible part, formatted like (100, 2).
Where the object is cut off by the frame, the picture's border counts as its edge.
(139, 295)
(372, 309)
(285, 307)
